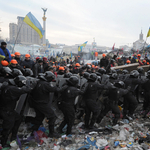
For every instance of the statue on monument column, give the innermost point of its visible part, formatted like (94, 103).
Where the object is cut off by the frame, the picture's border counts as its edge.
(44, 9)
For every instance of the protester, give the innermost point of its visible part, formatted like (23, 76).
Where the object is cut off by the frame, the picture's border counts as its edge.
(17, 57)
(134, 59)
(104, 61)
(38, 68)
(5, 52)
(12, 56)
(139, 61)
(27, 63)
(45, 63)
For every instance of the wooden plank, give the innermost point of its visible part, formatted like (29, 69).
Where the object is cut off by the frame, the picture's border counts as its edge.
(129, 67)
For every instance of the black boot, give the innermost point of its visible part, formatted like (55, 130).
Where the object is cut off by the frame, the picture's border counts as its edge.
(52, 134)
(4, 141)
(92, 124)
(59, 130)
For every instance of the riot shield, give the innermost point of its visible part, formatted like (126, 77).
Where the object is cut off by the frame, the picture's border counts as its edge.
(20, 103)
(105, 79)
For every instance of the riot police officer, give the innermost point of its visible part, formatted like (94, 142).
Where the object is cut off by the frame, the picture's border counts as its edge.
(5, 74)
(115, 92)
(41, 102)
(91, 97)
(10, 93)
(113, 78)
(145, 86)
(125, 74)
(130, 101)
(68, 102)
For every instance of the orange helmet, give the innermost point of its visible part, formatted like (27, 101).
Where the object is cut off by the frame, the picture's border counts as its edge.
(77, 65)
(27, 55)
(14, 61)
(128, 62)
(4, 63)
(139, 55)
(104, 55)
(88, 63)
(144, 61)
(12, 55)
(17, 53)
(93, 66)
(96, 67)
(147, 63)
(61, 68)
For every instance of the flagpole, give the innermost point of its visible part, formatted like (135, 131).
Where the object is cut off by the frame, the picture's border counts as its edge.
(17, 37)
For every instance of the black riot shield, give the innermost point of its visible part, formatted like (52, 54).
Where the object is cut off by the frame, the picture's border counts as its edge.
(83, 81)
(60, 76)
(105, 79)
(61, 81)
(20, 103)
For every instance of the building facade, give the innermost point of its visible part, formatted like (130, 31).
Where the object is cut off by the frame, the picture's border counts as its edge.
(23, 33)
(13, 29)
(139, 44)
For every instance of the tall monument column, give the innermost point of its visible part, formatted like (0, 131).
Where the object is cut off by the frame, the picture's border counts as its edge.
(44, 26)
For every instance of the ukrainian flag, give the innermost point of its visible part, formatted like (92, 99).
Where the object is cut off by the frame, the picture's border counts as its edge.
(34, 23)
(71, 54)
(81, 46)
(148, 34)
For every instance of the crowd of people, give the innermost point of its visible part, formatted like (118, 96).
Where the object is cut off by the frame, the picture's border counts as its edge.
(100, 90)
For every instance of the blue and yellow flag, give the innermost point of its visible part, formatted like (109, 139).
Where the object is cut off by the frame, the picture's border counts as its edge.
(148, 34)
(71, 54)
(34, 23)
(81, 46)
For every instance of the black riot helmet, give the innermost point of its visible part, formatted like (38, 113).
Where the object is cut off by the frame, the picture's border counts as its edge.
(112, 61)
(101, 71)
(148, 74)
(93, 77)
(28, 72)
(84, 67)
(98, 74)
(86, 75)
(6, 70)
(114, 76)
(99, 79)
(73, 80)
(119, 84)
(88, 66)
(42, 76)
(18, 81)
(134, 74)
(113, 71)
(125, 71)
(16, 72)
(67, 75)
(140, 70)
(49, 76)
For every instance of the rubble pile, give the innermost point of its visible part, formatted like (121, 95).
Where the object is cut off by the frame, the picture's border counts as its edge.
(126, 135)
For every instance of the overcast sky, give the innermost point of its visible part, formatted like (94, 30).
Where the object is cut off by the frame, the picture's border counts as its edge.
(76, 21)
